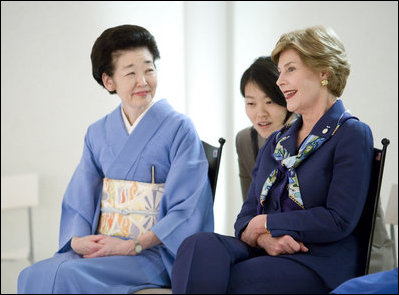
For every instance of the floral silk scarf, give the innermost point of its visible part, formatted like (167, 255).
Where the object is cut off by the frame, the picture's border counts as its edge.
(311, 144)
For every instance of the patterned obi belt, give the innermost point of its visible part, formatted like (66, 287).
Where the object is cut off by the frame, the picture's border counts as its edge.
(129, 208)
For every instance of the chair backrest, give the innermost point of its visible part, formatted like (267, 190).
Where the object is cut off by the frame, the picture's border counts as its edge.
(213, 154)
(365, 227)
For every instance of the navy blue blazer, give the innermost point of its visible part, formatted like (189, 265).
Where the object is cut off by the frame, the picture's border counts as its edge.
(333, 181)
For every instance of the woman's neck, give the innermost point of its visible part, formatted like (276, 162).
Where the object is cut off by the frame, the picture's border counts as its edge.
(311, 117)
(132, 113)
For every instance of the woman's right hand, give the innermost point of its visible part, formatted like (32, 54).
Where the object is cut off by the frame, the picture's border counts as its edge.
(280, 245)
(254, 229)
(86, 245)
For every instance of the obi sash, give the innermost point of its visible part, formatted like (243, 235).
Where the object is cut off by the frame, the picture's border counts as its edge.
(129, 208)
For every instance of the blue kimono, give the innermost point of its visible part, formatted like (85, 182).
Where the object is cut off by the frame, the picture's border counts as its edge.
(163, 138)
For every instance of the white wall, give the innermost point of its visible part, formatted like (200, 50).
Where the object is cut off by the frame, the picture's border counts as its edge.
(209, 90)
(48, 96)
(369, 31)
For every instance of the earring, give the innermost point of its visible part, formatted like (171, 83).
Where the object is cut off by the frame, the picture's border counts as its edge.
(324, 82)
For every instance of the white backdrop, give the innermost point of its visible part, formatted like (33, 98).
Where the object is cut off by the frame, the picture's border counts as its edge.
(48, 96)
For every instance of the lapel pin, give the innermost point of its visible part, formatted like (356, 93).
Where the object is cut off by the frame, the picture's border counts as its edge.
(325, 130)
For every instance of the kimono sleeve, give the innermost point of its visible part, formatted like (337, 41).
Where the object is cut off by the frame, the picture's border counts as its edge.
(80, 199)
(187, 203)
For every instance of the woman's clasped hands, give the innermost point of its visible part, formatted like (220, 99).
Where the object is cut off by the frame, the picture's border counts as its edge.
(255, 234)
(100, 245)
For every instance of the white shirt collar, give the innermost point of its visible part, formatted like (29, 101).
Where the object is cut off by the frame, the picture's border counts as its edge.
(130, 128)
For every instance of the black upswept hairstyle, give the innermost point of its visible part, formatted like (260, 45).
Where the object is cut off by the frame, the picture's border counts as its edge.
(119, 38)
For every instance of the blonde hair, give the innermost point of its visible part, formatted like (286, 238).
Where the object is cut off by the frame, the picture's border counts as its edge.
(321, 50)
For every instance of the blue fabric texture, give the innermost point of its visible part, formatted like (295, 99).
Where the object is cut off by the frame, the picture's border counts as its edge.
(384, 282)
(334, 181)
(163, 138)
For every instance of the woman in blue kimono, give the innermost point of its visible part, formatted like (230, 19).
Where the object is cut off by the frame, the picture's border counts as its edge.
(140, 188)
(295, 230)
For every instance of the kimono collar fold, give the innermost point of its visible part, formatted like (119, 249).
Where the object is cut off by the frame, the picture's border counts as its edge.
(139, 138)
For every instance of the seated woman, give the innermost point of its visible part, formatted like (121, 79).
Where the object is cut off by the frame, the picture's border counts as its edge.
(266, 107)
(294, 233)
(140, 188)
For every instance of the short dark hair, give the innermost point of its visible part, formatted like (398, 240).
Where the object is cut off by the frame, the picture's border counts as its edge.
(119, 38)
(263, 72)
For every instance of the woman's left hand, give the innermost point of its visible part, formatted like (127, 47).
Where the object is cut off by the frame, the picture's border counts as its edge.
(254, 229)
(113, 246)
(280, 245)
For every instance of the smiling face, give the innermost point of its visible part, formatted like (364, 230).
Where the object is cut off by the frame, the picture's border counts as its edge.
(266, 115)
(299, 83)
(134, 78)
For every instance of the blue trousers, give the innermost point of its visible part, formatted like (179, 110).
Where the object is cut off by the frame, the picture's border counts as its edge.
(209, 263)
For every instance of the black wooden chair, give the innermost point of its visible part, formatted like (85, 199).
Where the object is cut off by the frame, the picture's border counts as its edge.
(365, 227)
(213, 154)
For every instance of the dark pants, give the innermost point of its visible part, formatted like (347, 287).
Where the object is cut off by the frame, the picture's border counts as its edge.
(211, 263)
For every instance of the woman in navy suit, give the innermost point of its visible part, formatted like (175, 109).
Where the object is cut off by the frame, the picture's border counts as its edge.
(295, 231)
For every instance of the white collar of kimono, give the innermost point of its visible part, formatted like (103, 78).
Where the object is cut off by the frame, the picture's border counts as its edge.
(130, 128)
